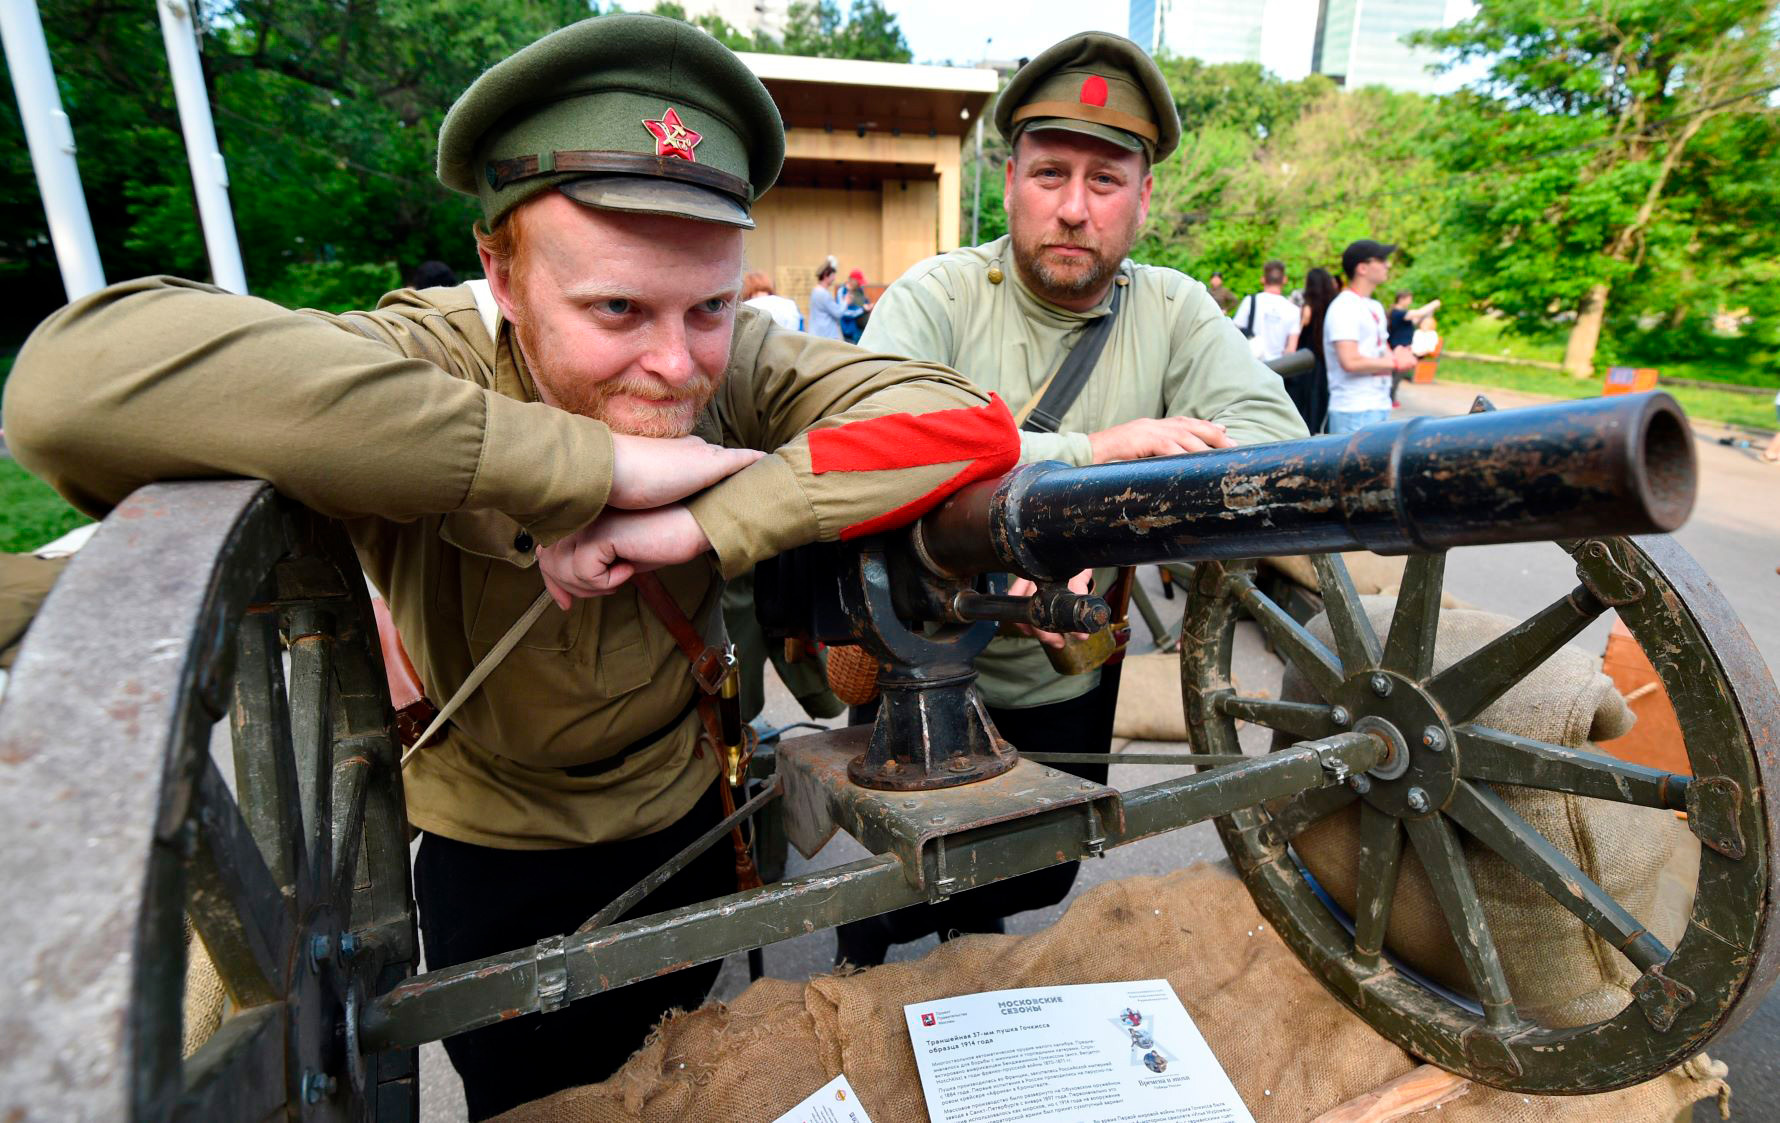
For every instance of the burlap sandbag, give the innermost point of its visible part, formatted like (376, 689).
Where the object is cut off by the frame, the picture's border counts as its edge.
(1370, 572)
(205, 997)
(1292, 1050)
(1149, 707)
(1559, 972)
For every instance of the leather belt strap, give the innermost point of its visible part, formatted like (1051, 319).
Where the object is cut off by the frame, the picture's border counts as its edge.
(647, 740)
(1080, 111)
(710, 667)
(515, 168)
(709, 663)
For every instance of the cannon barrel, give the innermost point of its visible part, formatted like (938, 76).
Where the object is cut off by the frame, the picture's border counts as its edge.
(1610, 466)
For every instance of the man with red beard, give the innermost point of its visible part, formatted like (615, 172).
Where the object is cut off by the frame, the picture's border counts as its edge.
(1086, 120)
(599, 407)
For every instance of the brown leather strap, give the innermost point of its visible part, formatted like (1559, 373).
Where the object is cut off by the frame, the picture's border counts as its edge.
(1079, 111)
(709, 663)
(515, 168)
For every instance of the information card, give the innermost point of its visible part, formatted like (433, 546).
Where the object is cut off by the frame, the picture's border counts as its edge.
(834, 1102)
(1098, 1053)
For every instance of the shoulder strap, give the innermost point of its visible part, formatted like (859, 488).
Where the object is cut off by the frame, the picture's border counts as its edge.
(709, 662)
(1253, 300)
(1062, 388)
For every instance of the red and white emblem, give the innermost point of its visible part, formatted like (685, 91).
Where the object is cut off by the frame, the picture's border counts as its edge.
(673, 138)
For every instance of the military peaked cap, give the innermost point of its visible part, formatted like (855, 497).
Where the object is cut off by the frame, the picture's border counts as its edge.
(1094, 83)
(627, 112)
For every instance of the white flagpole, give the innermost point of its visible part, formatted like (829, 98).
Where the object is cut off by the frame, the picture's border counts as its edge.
(51, 140)
(210, 178)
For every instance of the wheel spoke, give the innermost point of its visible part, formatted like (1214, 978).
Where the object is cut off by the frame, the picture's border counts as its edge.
(1437, 845)
(312, 728)
(234, 903)
(1381, 857)
(265, 770)
(1301, 649)
(1310, 808)
(1503, 758)
(1468, 686)
(1415, 625)
(239, 1072)
(1489, 820)
(1355, 641)
(354, 763)
(1307, 721)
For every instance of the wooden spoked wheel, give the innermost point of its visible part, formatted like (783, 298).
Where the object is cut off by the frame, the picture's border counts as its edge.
(1443, 784)
(179, 617)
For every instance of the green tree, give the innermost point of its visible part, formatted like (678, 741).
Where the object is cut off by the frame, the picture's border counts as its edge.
(327, 114)
(1583, 144)
(866, 31)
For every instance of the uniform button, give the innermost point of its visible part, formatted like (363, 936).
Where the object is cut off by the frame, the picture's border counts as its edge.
(995, 274)
(523, 542)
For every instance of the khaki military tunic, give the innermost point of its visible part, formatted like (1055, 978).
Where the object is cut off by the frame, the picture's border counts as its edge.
(425, 433)
(1172, 353)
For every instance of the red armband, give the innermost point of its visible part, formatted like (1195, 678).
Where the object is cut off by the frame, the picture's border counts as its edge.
(984, 436)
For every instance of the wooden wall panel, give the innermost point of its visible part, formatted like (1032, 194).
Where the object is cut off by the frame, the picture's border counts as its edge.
(796, 227)
(910, 226)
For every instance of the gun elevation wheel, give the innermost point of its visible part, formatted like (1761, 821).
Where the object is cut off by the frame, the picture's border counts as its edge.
(1442, 787)
(182, 614)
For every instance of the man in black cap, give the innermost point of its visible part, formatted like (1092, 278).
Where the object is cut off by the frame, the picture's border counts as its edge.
(1356, 343)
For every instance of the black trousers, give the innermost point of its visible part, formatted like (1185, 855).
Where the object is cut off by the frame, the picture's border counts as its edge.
(1079, 725)
(477, 901)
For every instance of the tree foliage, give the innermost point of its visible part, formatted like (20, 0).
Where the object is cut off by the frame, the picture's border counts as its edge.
(327, 114)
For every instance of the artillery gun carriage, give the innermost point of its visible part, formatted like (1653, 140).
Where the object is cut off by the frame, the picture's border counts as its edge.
(220, 613)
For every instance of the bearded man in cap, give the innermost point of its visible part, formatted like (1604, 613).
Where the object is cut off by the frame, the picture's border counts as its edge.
(598, 408)
(1086, 120)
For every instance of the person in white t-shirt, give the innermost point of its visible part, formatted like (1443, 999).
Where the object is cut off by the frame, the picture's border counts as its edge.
(758, 291)
(1268, 316)
(1360, 359)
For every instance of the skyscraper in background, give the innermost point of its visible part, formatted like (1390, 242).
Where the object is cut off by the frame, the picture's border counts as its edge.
(1146, 23)
(1360, 42)
(1356, 42)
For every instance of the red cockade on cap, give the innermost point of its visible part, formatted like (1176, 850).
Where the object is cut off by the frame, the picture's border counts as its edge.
(673, 138)
(1094, 90)
(985, 436)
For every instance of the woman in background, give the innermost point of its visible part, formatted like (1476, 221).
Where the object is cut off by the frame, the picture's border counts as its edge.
(825, 307)
(758, 291)
(1310, 392)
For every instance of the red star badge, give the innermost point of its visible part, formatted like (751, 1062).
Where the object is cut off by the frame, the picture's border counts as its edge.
(672, 138)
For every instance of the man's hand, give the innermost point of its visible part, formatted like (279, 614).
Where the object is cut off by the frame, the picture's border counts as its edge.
(1402, 359)
(604, 554)
(1021, 587)
(1164, 436)
(650, 471)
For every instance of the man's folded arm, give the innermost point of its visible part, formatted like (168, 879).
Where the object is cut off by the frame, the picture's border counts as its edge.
(862, 442)
(160, 379)
(1213, 376)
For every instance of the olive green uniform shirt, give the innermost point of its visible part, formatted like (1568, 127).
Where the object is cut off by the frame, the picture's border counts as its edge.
(424, 432)
(1172, 353)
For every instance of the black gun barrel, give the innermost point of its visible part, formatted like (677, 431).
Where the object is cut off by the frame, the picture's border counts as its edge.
(1608, 466)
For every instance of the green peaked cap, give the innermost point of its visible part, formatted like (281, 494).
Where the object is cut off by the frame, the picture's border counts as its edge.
(627, 112)
(1095, 83)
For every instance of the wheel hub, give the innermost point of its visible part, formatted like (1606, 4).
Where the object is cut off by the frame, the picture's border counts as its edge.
(1420, 771)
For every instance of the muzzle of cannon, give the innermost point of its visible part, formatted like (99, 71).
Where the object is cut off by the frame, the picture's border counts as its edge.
(1614, 466)
(1622, 465)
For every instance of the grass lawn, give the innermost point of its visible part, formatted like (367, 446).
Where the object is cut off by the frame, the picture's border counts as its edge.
(1756, 411)
(1485, 336)
(30, 512)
